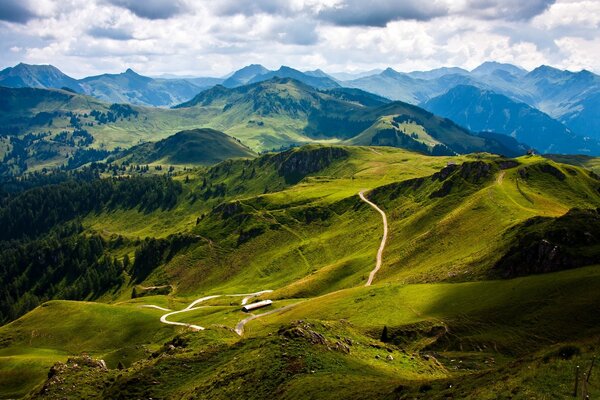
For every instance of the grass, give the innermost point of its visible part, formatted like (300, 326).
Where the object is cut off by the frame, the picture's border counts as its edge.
(57, 329)
(291, 365)
(315, 246)
(511, 316)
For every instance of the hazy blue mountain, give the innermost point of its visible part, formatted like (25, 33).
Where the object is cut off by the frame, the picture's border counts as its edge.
(557, 91)
(584, 117)
(393, 85)
(205, 82)
(319, 82)
(411, 89)
(317, 73)
(39, 76)
(483, 110)
(348, 76)
(438, 73)
(569, 97)
(130, 87)
(491, 67)
(127, 87)
(244, 75)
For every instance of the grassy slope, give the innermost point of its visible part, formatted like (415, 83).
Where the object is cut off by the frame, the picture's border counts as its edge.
(326, 258)
(459, 237)
(193, 147)
(30, 345)
(490, 329)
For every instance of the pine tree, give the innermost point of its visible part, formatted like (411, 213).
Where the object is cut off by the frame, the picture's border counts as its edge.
(384, 334)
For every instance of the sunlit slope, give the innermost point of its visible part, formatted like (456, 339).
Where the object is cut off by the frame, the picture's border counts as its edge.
(58, 329)
(312, 234)
(442, 337)
(292, 222)
(454, 225)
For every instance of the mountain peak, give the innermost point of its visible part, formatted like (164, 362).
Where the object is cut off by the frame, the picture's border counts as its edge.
(389, 71)
(489, 67)
(546, 71)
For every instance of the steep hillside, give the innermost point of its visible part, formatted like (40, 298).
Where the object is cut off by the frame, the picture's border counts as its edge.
(403, 125)
(480, 110)
(193, 147)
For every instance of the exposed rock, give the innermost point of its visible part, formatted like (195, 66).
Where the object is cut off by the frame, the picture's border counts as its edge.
(306, 331)
(296, 164)
(507, 164)
(445, 172)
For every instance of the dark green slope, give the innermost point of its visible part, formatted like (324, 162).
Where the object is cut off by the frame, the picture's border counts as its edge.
(440, 135)
(195, 147)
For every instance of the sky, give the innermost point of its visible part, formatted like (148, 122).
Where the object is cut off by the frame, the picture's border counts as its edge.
(214, 37)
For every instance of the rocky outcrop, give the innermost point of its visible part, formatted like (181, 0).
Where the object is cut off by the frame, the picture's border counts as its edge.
(294, 165)
(62, 376)
(301, 330)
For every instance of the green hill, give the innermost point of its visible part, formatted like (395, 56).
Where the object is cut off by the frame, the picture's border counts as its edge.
(193, 147)
(338, 114)
(457, 321)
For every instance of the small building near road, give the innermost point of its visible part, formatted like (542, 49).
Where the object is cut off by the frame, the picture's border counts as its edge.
(254, 306)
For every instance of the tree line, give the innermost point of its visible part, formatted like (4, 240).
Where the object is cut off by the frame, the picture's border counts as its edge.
(36, 211)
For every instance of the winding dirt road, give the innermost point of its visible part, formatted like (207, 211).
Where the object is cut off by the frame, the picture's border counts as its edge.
(383, 240)
(193, 304)
(239, 328)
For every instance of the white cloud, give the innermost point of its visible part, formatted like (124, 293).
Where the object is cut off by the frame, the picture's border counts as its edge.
(211, 37)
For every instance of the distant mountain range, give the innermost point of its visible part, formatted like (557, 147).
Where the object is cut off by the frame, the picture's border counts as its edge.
(484, 110)
(50, 127)
(127, 87)
(569, 97)
(549, 109)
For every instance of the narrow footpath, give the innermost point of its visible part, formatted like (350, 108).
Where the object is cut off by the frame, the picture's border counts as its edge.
(383, 240)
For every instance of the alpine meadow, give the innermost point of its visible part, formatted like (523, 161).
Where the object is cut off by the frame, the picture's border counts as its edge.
(299, 199)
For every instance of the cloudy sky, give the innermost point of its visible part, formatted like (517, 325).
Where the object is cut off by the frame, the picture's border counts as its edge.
(213, 37)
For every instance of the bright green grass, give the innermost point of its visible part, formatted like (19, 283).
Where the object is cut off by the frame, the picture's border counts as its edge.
(57, 329)
(515, 315)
